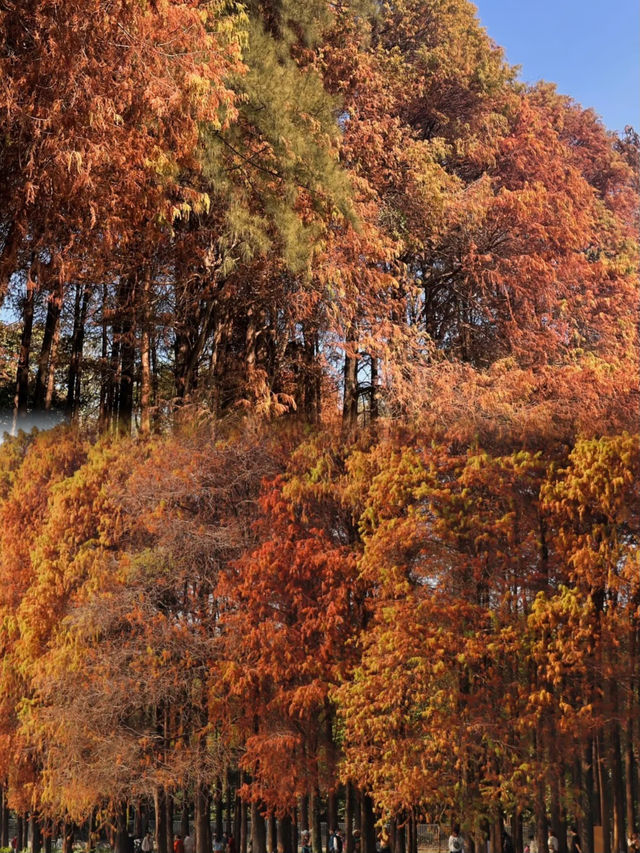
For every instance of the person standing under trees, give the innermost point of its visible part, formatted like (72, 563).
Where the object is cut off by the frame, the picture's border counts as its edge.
(576, 843)
(456, 842)
(178, 845)
(507, 843)
(147, 843)
(552, 842)
(306, 846)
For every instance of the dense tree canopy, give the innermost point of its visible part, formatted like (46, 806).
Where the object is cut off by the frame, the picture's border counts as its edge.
(341, 318)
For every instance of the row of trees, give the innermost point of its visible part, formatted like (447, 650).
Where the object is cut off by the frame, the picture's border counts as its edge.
(427, 631)
(283, 206)
(344, 317)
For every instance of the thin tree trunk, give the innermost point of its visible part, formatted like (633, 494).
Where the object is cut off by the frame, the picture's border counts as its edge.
(258, 830)
(169, 827)
(350, 399)
(51, 372)
(332, 813)
(201, 819)
(286, 838)
(272, 834)
(619, 835)
(161, 820)
(401, 839)
(127, 356)
(605, 798)
(22, 374)
(145, 362)
(54, 305)
(77, 346)
(184, 818)
(316, 809)
(630, 761)
(228, 813)
(122, 836)
(584, 783)
(218, 808)
(91, 832)
(237, 820)
(103, 411)
(36, 833)
(243, 827)
(374, 408)
(348, 816)
(368, 825)
(48, 835)
(69, 834)
(4, 818)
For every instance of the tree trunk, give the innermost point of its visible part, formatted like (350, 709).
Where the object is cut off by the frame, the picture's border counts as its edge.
(201, 819)
(160, 804)
(91, 832)
(113, 377)
(48, 836)
(228, 804)
(332, 815)
(51, 372)
(20, 832)
(619, 835)
(631, 794)
(350, 400)
(374, 409)
(77, 345)
(258, 830)
(145, 360)
(4, 818)
(127, 356)
(272, 834)
(316, 809)
(237, 820)
(122, 836)
(286, 835)
(304, 813)
(348, 817)
(36, 833)
(368, 825)
(585, 786)
(401, 838)
(184, 817)
(54, 305)
(169, 826)
(219, 809)
(138, 820)
(605, 798)
(243, 827)
(22, 373)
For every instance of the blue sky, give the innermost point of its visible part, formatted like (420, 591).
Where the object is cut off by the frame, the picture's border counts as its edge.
(589, 48)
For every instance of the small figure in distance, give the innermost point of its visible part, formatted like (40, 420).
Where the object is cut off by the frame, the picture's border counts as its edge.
(552, 842)
(633, 842)
(507, 843)
(576, 844)
(189, 844)
(456, 842)
(178, 844)
(147, 843)
(306, 842)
